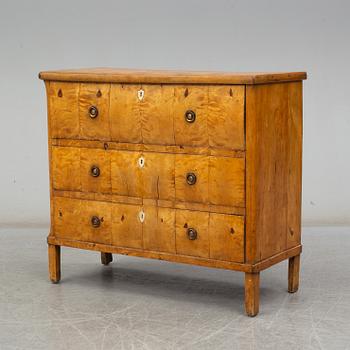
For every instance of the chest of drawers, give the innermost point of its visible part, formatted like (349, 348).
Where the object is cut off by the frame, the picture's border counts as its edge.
(190, 167)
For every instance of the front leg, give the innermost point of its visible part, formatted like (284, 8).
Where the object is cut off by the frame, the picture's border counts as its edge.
(293, 273)
(54, 263)
(252, 282)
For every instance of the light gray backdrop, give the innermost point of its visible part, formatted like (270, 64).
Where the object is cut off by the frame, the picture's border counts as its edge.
(181, 34)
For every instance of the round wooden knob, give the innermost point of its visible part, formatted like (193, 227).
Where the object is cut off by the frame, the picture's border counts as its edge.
(95, 221)
(93, 112)
(190, 116)
(191, 234)
(191, 178)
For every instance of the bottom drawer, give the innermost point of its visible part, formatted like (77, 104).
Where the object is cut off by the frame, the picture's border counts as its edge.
(175, 231)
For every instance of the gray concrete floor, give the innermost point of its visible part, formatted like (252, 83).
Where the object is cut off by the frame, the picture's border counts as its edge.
(146, 304)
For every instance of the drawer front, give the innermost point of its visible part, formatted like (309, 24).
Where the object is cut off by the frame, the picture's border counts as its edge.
(82, 220)
(151, 175)
(175, 231)
(189, 115)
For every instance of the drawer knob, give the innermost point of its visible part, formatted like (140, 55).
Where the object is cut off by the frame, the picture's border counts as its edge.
(190, 116)
(192, 234)
(93, 112)
(191, 178)
(95, 171)
(95, 221)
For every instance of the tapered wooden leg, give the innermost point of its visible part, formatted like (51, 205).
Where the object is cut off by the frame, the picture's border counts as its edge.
(106, 258)
(293, 273)
(55, 263)
(252, 281)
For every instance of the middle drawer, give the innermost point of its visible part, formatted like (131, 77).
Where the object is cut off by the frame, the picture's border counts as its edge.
(150, 175)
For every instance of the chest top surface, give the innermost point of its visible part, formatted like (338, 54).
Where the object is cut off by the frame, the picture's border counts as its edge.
(117, 75)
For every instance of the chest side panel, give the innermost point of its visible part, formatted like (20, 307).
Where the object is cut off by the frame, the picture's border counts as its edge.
(273, 168)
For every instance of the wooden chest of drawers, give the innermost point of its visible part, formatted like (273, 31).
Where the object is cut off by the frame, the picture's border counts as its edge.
(191, 167)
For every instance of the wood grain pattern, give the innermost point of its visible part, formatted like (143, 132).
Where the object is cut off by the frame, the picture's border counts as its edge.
(127, 228)
(139, 147)
(126, 175)
(252, 281)
(95, 158)
(72, 220)
(194, 98)
(197, 165)
(119, 75)
(294, 161)
(227, 181)
(221, 264)
(66, 168)
(101, 234)
(63, 109)
(54, 263)
(151, 254)
(67, 220)
(125, 116)
(49, 148)
(199, 221)
(226, 237)
(115, 198)
(159, 117)
(158, 176)
(226, 116)
(293, 273)
(157, 114)
(159, 229)
(94, 95)
(273, 123)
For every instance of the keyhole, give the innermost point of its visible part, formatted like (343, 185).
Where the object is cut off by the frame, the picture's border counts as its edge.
(141, 162)
(140, 94)
(142, 216)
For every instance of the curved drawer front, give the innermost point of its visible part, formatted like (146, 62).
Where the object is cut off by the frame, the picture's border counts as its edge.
(183, 232)
(151, 175)
(182, 115)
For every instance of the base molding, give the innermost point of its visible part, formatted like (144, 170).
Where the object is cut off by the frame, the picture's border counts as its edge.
(228, 265)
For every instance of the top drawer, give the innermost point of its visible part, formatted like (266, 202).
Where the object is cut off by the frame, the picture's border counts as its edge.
(188, 115)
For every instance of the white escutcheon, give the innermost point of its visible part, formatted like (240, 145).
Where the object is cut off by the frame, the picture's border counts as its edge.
(141, 162)
(140, 94)
(142, 216)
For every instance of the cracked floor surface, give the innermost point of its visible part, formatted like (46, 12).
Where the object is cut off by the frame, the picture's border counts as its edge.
(147, 304)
